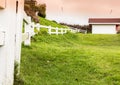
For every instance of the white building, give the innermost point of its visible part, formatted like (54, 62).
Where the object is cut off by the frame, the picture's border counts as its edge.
(104, 25)
(10, 38)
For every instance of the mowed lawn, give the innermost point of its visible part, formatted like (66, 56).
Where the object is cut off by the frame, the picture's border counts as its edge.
(72, 59)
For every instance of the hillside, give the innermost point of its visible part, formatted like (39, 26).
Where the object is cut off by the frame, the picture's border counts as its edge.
(71, 59)
(46, 22)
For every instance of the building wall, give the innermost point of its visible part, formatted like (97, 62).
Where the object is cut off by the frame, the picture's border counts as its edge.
(9, 21)
(103, 29)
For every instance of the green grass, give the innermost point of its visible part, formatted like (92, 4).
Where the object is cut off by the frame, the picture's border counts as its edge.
(46, 22)
(71, 59)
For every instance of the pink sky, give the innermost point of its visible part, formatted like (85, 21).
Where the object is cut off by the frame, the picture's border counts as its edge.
(78, 11)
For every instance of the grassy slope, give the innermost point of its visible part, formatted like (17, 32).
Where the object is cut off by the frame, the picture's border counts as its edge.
(46, 22)
(72, 59)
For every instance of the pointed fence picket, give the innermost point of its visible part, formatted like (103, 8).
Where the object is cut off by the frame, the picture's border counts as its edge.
(29, 27)
(29, 30)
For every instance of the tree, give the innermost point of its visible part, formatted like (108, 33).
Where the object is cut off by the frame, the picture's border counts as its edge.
(30, 11)
(41, 10)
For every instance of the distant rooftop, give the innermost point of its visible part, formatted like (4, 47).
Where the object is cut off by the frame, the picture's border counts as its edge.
(104, 20)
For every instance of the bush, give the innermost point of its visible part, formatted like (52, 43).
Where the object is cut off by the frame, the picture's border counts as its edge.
(31, 11)
(42, 10)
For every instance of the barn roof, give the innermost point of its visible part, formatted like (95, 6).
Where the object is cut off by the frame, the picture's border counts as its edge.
(104, 20)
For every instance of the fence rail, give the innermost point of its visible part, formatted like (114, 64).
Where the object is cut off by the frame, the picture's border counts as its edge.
(58, 31)
(29, 27)
(25, 36)
(2, 36)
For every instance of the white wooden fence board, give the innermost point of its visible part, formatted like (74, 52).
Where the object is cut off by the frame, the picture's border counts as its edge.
(2, 38)
(30, 26)
(27, 18)
(25, 36)
(42, 26)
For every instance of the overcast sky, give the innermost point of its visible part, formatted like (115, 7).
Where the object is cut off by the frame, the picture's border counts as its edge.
(78, 11)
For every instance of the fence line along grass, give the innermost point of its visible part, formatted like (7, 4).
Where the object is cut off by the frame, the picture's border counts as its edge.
(72, 59)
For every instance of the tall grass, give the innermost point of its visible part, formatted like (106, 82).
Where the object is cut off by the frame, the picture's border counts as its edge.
(72, 59)
(46, 22)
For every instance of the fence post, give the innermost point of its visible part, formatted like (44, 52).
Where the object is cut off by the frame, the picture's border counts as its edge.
(78, 30)
(86, 32)
(49, 30)
(2, 36)
(62, 31)
(32, 28)
(38, 26)
(56, 31)
(65, 30)
(27, 42)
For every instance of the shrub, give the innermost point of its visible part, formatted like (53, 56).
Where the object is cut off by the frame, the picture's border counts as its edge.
(41, 10)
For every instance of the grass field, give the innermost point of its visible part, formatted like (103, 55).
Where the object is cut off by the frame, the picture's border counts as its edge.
(47, 22)
(71, 59)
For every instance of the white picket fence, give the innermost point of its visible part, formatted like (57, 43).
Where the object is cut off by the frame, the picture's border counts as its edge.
(28, 30)
(2, 36)
(56, 30)
(29, 27)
